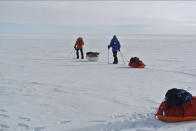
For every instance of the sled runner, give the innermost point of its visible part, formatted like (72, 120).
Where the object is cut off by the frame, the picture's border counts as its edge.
(92, 56)
(183, 110)
(135, 62)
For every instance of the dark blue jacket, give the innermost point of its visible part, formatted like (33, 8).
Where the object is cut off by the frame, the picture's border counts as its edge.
(115, 44)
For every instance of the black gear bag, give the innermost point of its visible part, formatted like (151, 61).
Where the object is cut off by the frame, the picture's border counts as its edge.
(177, 97)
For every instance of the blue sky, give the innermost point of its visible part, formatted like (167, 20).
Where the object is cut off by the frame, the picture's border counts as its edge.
(98, 17)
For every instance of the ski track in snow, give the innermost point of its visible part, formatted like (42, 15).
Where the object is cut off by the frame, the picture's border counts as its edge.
(177, 72)
(136, 121)
(22, 125)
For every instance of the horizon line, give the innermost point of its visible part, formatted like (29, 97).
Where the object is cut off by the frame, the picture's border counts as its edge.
(95, 0)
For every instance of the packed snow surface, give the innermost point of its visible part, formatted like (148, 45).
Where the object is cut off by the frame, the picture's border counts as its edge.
(43, 88)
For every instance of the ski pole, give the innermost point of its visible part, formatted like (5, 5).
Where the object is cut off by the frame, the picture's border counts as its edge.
(73, 52)
(108, 56)
(122, 57)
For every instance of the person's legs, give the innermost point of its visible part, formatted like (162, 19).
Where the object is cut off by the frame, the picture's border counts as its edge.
(115, 57)
(82, 55)
(77, 54)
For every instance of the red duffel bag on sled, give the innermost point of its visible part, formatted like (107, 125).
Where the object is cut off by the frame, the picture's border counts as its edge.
(177, 113)
(135, 62)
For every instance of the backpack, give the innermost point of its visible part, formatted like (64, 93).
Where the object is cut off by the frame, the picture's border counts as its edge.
(177, 97)
(134, 60)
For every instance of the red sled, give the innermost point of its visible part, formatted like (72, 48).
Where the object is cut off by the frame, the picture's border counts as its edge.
(187, 112)
(135, 62)
(132, 65)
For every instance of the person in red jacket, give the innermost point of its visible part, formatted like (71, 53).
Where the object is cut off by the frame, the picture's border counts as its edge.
(79, 46)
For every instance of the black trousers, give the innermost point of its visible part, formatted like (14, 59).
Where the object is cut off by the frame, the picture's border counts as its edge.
(77, 53)
(115, 57)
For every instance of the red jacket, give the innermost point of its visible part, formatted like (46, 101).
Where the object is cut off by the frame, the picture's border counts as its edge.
(79, 43)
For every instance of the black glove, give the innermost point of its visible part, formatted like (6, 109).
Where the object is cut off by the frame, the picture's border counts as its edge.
(75, 47)
(118, 49)
(108, 47)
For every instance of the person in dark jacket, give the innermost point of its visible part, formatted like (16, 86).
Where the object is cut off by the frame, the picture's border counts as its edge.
(115, 44)
(79, 46)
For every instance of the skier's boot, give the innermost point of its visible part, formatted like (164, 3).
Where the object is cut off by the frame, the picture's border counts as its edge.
(115, 60)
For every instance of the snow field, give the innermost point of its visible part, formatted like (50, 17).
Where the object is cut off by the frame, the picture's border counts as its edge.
(42, 88)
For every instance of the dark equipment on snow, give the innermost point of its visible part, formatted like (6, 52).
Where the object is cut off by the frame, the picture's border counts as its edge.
(92, 56)
(177, 97)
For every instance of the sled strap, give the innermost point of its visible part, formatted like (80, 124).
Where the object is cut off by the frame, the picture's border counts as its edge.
(183, 110)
